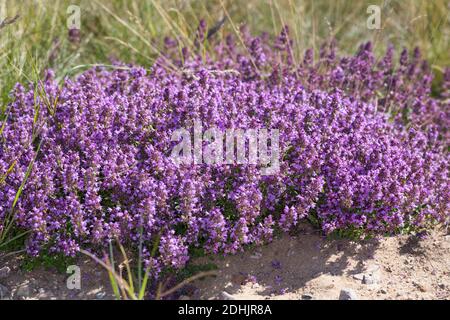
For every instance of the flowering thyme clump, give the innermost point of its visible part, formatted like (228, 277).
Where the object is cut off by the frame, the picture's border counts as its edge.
(362, 145)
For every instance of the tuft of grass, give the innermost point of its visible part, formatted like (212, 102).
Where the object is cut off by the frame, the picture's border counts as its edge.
(133, 31)
(125, 286)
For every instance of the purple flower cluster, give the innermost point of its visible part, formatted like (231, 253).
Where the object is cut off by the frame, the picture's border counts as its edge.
(363, 147)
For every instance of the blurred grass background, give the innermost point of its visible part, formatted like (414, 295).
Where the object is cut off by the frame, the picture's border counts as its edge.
(132, 31)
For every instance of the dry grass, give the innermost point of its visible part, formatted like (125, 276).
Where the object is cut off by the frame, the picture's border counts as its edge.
(132, 30)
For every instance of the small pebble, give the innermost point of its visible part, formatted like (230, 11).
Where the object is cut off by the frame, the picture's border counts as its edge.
(24, 291)
(348, 294)
(4, 292)
(358, 276)
(369, 279)
(307, 296)
(4, 272)
(226, 296)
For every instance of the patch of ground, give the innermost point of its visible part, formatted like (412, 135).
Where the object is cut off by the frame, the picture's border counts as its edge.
(50, 284)
(308, 266)
(304, 266)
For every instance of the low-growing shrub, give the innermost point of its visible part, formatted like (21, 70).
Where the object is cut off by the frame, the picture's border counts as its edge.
(363, 148)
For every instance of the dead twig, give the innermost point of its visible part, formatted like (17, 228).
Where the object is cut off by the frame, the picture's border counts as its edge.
(4, 256)
(9, 21)
(200, 275)
(215, 28)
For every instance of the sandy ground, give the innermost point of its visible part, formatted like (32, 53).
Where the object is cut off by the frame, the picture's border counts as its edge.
(301, 266)
(307, 266)
(49, 284)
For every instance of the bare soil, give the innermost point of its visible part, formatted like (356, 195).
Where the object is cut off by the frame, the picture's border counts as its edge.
(309, 266)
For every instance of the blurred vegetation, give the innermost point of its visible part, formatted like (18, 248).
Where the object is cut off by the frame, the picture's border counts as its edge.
(133, 31)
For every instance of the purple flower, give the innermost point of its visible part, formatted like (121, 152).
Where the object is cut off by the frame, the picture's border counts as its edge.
(363, 149)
